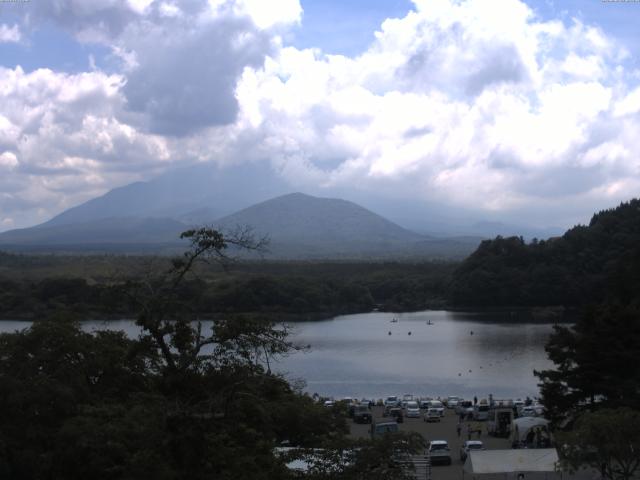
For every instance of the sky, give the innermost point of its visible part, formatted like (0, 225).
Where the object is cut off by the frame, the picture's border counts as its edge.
(509, 110)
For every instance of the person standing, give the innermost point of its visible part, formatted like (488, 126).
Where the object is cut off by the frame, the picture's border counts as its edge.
(475, 400)
(459, 429)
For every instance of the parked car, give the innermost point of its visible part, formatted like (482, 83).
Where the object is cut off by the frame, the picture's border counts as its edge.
(432, 415)
(437, 404)
(378, 429)
(412, 409)
(424, 402)
(396, 412)
(517, 407)
(481, 411)
(329, 403)
(362, 414)
(539, 409)
(463, 407)
(391, 401)
(368, 402)
(406, 398)
(452, 401)
(439, 452)
(527, 412)
(469, 445)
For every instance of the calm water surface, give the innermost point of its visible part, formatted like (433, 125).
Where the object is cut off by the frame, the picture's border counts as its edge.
(354, 355)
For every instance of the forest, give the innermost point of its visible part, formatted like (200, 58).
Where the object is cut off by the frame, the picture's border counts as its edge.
(588, 264)
(33, 287)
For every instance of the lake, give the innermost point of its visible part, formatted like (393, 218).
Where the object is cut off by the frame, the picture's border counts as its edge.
(354, 355)
(459, 353)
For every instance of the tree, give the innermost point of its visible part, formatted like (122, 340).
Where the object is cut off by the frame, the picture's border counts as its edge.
(384, 458)
(175, 403)
(607, 440)
(596, 364)
(48, 373)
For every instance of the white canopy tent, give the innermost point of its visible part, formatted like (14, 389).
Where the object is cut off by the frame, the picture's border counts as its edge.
(524, 427)
(518, 463)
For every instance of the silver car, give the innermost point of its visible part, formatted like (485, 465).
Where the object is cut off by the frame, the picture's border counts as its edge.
(412, 409)
(469, 445)
(439, 452)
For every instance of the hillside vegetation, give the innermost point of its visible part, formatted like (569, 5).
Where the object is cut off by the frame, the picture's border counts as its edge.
(33, 287)
(588, 264)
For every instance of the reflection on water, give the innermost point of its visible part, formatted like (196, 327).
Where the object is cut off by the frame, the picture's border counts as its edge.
(458, 354)
(369, 355)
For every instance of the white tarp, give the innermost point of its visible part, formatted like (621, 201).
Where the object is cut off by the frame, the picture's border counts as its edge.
(511, 461)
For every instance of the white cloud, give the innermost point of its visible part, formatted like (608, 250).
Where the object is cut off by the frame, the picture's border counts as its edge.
(478, 104)
(467, 101)
(62, 142)
(629, 105)
(10, 34)
(8, 160)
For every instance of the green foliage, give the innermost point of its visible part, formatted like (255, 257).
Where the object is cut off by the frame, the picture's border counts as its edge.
(596, 363)
(607, 440)
(588, 264)
(47, 374)
(296, 290)
(175, 403)
(384, 458)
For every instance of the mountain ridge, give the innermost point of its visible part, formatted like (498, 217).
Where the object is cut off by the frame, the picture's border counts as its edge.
(299, 226)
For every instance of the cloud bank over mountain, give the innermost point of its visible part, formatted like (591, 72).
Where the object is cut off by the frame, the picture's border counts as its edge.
(486, 107)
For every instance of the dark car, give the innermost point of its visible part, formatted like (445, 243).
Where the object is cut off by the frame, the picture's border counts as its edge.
(397, 414)
(362, 414)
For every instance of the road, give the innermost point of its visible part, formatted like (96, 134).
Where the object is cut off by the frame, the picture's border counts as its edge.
(443, 430)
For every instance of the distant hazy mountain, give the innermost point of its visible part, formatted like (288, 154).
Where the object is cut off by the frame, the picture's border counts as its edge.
(201, 193)
(109, 234)
(300, 225)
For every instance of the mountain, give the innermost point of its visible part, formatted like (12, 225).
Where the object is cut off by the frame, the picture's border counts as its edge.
(201, 192)
(298, 223)
(299, 227)
(124, 234)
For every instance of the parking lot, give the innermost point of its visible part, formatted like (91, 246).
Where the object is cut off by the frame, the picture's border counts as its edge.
(443, 430)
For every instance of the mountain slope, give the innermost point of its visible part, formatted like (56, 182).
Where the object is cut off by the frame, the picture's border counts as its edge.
(299, 226)
(307, 218)
(303, 226)
(178, 193)
(120, 234)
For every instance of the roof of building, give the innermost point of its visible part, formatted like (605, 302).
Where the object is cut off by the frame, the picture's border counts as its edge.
(511, 461)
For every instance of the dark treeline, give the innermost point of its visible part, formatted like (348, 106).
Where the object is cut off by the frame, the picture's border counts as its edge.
(588, 264)
(592, 392)
(180, 401)
(298, 290)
